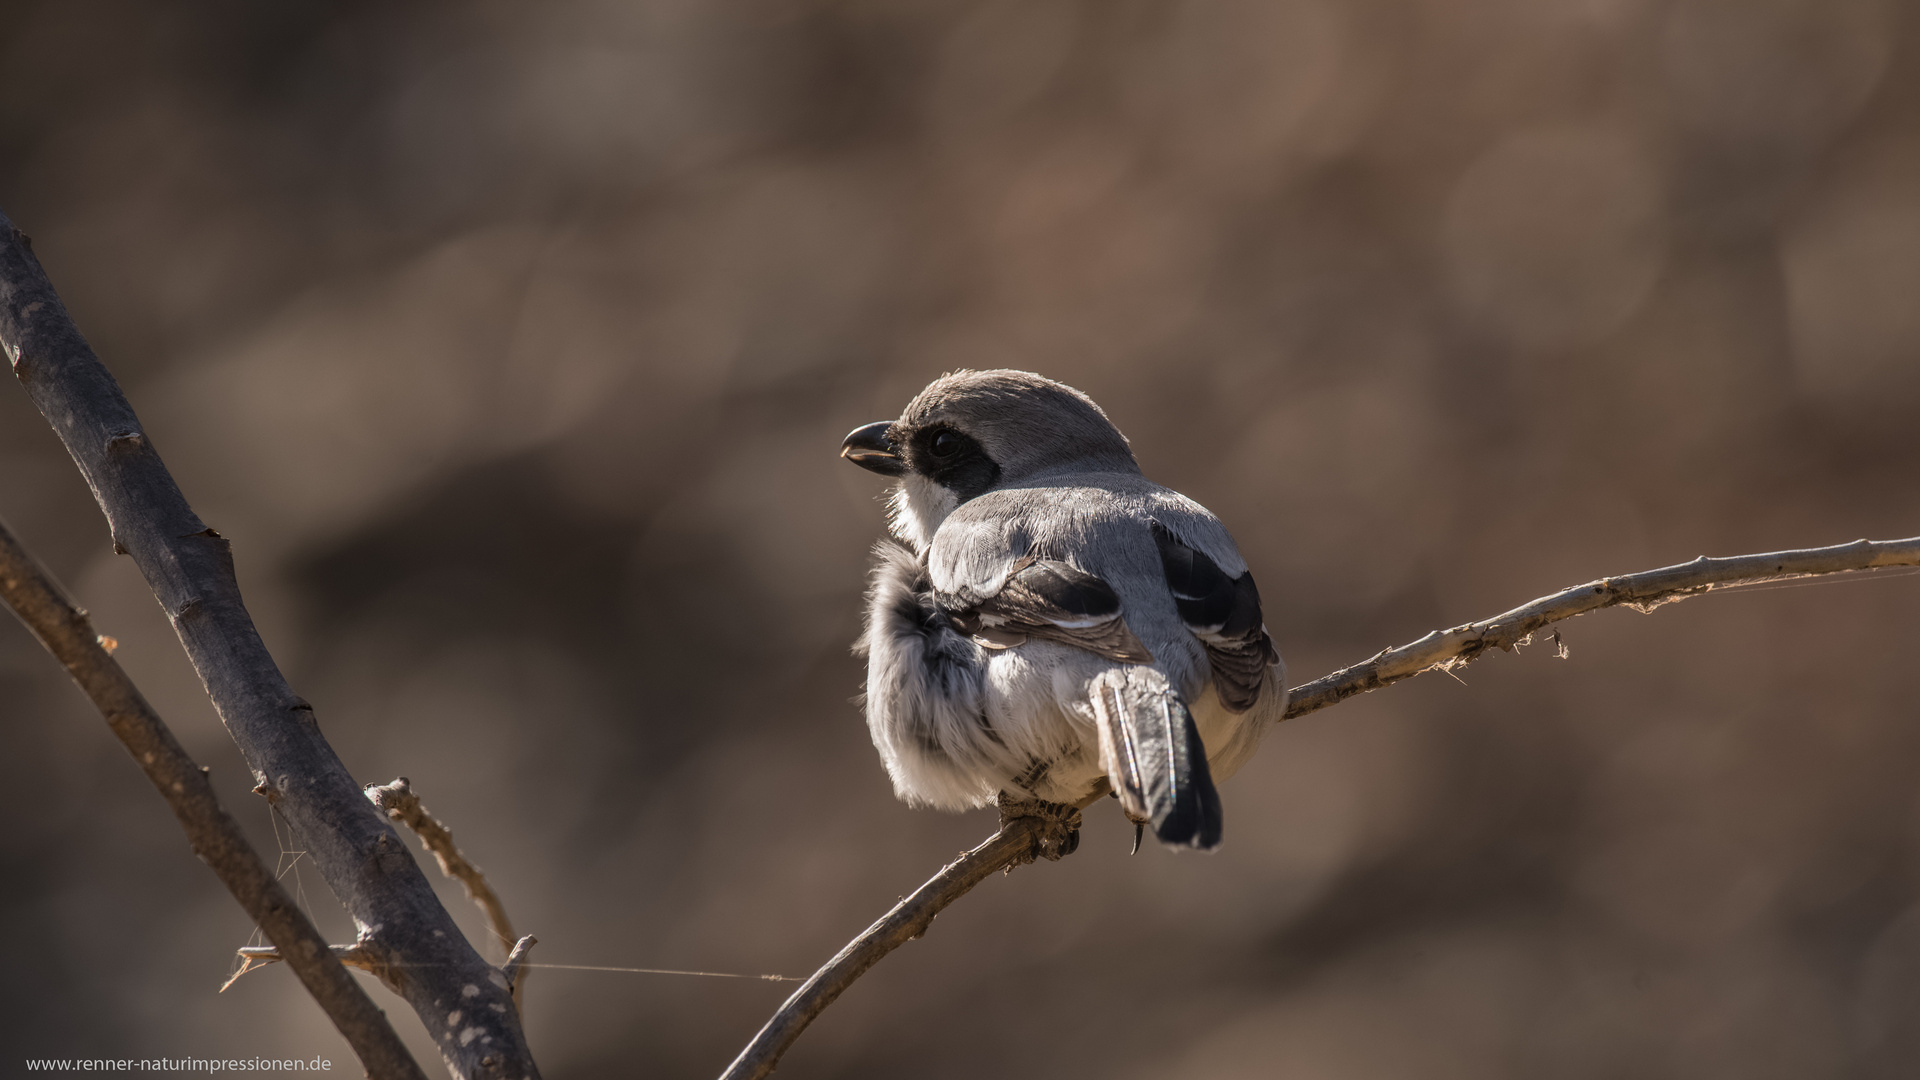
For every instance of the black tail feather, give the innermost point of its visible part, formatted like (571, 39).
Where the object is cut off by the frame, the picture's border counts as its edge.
(1187, 814)
(1155, 758)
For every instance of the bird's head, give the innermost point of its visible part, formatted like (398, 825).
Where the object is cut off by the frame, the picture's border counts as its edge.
(972, 432)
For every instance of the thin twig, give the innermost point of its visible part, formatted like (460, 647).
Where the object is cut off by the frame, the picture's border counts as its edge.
(1017, 841)
(403, 805)
(214, 835)
(515, 969)
(1449, 649)
(189, 566)
(352, 956)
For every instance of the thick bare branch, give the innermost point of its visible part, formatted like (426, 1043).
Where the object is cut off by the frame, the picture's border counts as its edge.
(190, 568)
(1446, 649)
(1020, 839)
(214, 835)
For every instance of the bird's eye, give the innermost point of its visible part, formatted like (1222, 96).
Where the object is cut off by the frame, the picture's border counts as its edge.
(944, 445)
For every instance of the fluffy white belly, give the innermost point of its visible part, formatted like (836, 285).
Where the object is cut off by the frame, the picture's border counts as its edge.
(1039, 705)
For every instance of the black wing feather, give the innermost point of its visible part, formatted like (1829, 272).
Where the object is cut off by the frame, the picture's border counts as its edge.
(1224, 613)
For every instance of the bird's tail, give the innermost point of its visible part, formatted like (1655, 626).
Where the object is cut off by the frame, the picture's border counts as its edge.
(1154, 757)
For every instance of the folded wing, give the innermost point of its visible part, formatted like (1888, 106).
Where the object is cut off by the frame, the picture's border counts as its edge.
(1224, 613)
(1052, 601)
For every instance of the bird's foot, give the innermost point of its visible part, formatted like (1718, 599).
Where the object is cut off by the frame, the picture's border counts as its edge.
(1058, 834)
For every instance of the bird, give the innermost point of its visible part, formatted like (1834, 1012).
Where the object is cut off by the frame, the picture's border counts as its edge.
(1044, 620)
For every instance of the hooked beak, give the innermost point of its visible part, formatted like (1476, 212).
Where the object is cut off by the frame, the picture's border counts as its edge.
(868, 448)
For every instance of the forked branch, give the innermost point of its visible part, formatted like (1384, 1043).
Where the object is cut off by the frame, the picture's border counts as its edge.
(399, 801)
(401, 804)
(215, 836)
(421, 952)
(1019, 838)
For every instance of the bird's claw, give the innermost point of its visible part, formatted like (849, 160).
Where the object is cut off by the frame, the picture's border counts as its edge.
(1059, 833)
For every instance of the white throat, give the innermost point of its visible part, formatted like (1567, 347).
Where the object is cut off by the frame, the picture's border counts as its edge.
(916, 509)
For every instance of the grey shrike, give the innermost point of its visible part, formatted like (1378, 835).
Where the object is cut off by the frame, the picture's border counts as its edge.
(1054, 618)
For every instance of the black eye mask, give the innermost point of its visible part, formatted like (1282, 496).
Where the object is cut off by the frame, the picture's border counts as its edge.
(954, 460)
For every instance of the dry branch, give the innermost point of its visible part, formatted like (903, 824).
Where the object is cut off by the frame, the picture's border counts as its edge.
(356, 956)
(216, 838)
(352, 956)
(1643, 591)
(423, 956)
(400, 803)
(515, 968)
(1019, 839)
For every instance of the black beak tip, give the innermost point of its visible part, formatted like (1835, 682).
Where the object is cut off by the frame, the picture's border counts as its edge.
(869, 448)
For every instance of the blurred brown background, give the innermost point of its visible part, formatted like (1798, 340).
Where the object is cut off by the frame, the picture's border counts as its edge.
(513, 345)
